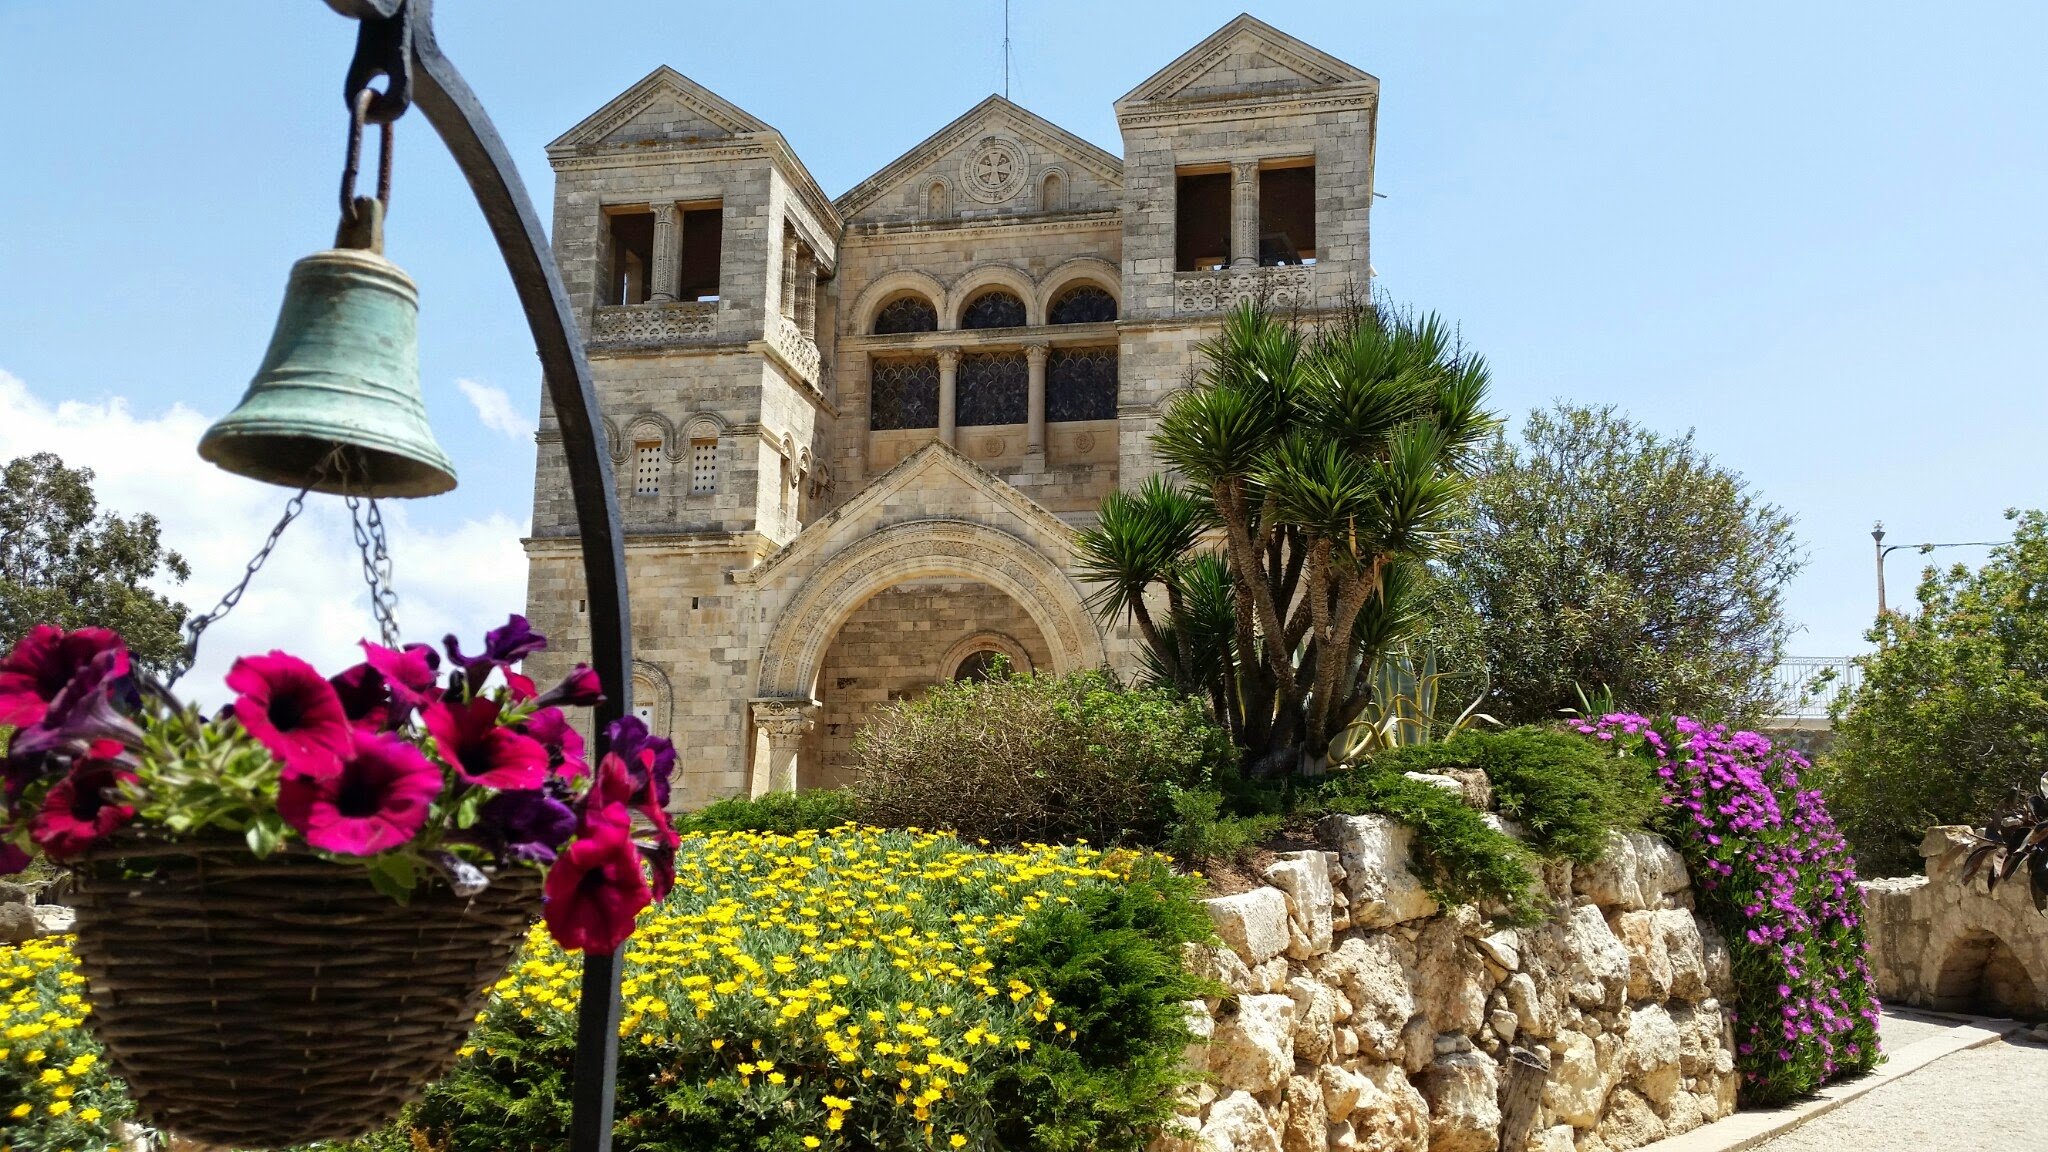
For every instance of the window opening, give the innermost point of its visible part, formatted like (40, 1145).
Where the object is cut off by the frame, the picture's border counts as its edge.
(1080, 384)
(906, 314)
(1083, 304)
(997, 308)
(647, 468)
(1287, 215)
(703, 241)
(1201, 221)
(979, 666)
(632, 258)
(904, 394)
(993, 388)
(703, 467)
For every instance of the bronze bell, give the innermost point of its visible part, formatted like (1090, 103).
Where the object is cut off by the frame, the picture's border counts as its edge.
(336, 403)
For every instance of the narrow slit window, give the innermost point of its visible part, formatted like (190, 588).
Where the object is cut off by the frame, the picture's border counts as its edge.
(703, 467)
(1202, 221)
(1287, 215)
(647, 468)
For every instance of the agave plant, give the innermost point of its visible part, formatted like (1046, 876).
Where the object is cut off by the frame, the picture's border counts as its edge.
(2015, 842)
(1405, 710)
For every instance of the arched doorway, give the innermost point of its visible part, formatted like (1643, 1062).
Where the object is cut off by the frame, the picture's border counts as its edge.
(1981, 974)
(898, 644)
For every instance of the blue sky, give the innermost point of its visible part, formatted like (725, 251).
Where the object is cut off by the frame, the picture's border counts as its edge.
(1813, 232)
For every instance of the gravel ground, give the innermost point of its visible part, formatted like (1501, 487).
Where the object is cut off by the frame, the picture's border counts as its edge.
(1988, 1099)
(1897, 1030)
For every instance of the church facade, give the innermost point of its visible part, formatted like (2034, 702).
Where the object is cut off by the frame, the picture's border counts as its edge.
(854, 436)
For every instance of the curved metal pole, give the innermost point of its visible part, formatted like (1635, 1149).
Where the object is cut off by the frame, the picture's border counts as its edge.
(459, 117)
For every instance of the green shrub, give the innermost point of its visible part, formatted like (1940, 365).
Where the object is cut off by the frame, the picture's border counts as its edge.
(784, 813)
(1020, 759)
(1556, 785)
(1202, 832)
(1456, 854)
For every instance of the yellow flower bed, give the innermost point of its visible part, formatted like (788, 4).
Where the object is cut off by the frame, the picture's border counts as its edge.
(54, 1094)
(844, 976)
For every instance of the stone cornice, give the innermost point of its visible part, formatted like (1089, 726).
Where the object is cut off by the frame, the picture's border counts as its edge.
(1311, 63)
(697, 543)
(1089, 220)
(1293, 103)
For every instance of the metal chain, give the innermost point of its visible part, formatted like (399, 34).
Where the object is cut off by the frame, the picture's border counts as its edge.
(376, 556)
(199, 624)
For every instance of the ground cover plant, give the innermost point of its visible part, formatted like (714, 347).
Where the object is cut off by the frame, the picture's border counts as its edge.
(860, 988)
(1775, 878)
(56, 1094)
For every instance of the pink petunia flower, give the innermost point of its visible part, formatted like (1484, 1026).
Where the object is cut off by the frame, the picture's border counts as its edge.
(84, 807)
(292, 710)
(594, 890)
(377, 798)
(469, 740)
(42, 662)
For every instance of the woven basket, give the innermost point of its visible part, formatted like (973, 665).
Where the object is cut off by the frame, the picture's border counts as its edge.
(263, 1004)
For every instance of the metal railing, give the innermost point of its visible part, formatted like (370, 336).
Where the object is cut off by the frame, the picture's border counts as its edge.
(1804, 686)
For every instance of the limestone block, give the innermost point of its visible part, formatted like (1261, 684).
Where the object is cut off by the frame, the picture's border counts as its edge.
(1598, 977)
(1368, 971)
(1218, 963)
(1236, 1123)
(1451, 980)
(1253, 1049)
(1503, 948)
(1557, 1138)
(1687, 949)
(1716, 959)
(1629, 1122)
(1418, 1044)
(1253, 923)
(1307, 1128)
(1649, 962)
(1374, 851)
(1271, 976)
(1180, 1134)
(1202, 1027)
(1305, 878)
(21, 922)
(1578, 1086)
(1342, 1090)
(1341, 1137)
(1392, 1116)
(1637, 871)
(1464, 1111)
(1315, 1019)
(1651, 1054)
(1520, 993)
(1503, 1023)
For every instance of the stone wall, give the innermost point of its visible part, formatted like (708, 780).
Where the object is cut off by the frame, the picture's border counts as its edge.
(1938, 942)
(1364, 1018)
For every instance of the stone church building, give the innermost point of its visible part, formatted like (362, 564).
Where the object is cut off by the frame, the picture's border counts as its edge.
(854, 436)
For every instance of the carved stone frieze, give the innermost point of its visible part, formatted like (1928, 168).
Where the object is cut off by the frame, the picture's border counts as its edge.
(796, 348)
(639, 325)
(1219, 291)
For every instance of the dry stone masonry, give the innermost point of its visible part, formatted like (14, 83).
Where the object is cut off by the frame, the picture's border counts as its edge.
(1363, 1017)
(1938, 942)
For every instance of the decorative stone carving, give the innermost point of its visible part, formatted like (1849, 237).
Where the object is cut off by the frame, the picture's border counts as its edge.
(1291, 286)
(627, 325)
(795, 347)
(995, 169)
(784, 722)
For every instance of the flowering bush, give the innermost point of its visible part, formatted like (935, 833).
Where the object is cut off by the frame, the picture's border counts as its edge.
(859, 988)
(55, 1094)
(1775, 878)
(384, 765)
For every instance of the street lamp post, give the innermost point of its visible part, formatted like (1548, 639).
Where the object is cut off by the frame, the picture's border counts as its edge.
(1884, 550)
(395, 40)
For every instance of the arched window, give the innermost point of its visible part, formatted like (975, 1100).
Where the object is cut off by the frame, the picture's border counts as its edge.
(980, 665)
(936, 201)
(995, 308)
(904, 394)
(906, 314)
(993, 388)
(1082, 304)
(1080, 384)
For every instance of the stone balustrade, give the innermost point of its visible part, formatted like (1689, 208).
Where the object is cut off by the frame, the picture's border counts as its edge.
(1279, 289)
(652, 325)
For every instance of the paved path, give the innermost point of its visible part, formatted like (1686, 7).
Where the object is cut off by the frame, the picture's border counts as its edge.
(1988, 1099)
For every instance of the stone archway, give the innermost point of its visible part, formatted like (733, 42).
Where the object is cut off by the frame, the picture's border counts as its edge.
(915, 550)
(1979, 972)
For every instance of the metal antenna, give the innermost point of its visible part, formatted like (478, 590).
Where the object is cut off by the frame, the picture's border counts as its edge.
(1006, 49)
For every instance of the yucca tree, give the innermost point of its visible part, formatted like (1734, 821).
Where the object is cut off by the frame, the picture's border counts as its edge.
(1321, 471)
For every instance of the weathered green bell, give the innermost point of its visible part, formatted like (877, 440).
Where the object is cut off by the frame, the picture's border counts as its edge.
(342, 372)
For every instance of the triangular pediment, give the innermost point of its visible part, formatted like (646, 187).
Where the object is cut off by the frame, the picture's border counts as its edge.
(1014, 134)
(664, 107)
(1246, 59)
(933, 482)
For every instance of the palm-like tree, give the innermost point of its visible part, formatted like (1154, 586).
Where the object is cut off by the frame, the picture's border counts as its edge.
(1322, 470)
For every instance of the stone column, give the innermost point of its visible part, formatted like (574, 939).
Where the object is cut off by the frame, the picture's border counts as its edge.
(949, 375)
(667, 250)
(806, 292)
(783, 724)
(1034, 438)
(788, 304)
(1244, 214)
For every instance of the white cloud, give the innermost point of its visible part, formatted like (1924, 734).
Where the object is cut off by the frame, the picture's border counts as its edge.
(495, 409)
(309, 599)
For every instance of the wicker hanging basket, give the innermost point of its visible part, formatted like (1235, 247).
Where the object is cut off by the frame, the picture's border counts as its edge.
(267, 1003)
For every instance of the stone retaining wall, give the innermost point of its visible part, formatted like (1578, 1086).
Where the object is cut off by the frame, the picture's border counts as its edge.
(1940, 943)
(1367, 1019)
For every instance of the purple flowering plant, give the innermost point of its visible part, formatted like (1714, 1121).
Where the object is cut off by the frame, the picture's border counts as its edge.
(1775, 878)
(392, 764)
